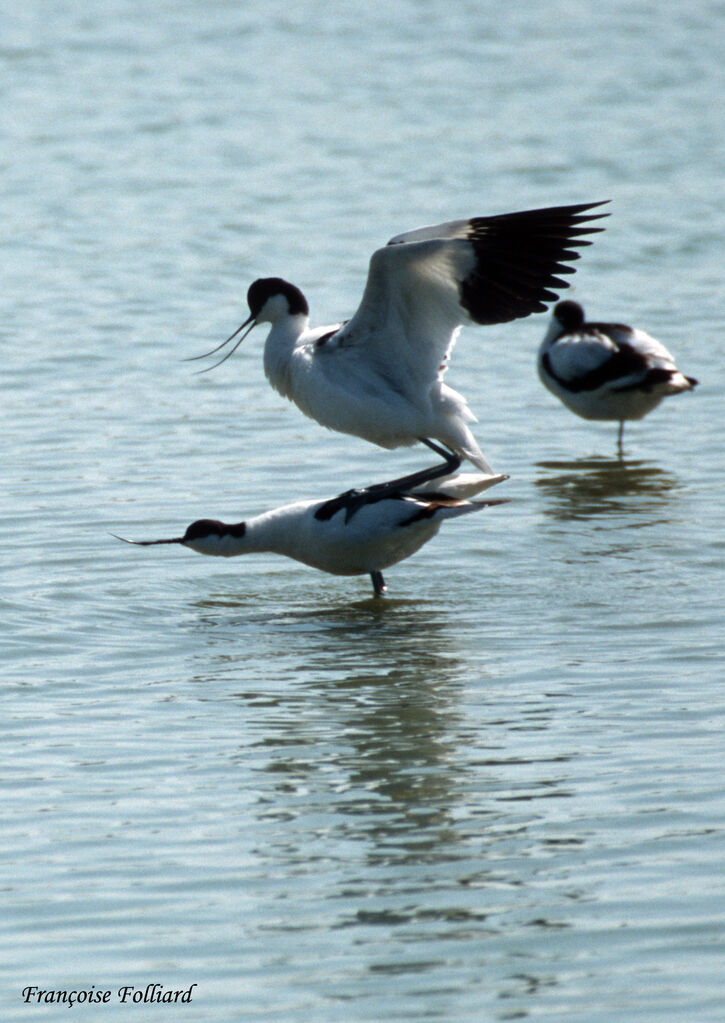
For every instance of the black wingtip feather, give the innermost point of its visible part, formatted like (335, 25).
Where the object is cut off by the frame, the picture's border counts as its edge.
(518, 256)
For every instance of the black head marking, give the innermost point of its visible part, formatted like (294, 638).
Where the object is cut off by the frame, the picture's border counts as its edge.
(203, 528)
(570, 315)
(266, 287)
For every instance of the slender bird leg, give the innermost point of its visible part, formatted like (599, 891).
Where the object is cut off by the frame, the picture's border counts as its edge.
(354, 499)
(415, 479)
(620, 436)
(452, 459)
(378, 583)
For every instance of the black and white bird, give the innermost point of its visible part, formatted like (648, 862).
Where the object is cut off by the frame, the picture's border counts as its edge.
(606, 370)
(357, 533)
(379, 376)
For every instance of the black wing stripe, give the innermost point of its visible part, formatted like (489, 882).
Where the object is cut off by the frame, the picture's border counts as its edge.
(623, 363)
(654, 376)
(353, 500)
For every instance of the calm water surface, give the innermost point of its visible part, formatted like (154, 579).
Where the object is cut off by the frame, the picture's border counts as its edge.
(496, 794)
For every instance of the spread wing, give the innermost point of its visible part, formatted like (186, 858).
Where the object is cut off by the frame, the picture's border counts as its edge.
(425, 284)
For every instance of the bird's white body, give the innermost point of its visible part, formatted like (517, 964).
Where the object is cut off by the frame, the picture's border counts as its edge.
(606, 370)
(349, 387)
(379, 376)
(372, 540)
(356, 533)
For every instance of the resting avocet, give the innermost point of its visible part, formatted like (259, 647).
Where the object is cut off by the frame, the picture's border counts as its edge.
(606, 370)
(379, 376)
(359, 532)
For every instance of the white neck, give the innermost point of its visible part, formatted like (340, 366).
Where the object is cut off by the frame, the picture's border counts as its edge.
(281, 531)
(269, 531)
(278, 348)
(552, 333)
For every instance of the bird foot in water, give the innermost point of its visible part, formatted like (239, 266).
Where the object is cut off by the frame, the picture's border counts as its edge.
(379, 584)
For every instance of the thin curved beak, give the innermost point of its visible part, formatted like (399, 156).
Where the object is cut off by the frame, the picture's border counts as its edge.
(147, 543)
(249, 322)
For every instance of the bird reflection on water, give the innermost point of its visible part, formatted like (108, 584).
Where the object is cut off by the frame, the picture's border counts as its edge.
(596, 486)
